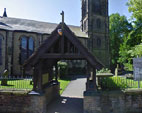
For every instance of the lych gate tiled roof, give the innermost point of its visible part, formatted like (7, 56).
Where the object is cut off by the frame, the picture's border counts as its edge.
(13, 24)
(50, 42)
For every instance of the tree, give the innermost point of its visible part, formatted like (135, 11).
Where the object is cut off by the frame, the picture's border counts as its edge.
(119, 27)
(135, 7)
(131, 46)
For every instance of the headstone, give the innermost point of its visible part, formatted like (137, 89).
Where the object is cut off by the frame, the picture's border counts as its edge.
(137, 65)
(4, 77)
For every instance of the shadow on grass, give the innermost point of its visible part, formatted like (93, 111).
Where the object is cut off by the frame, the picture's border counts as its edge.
(73, 77)
(7, 85)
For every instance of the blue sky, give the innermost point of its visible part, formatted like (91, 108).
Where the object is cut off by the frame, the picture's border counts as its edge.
(49, 10)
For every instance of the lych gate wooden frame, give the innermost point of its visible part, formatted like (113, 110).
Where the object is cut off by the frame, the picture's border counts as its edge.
(62, 44)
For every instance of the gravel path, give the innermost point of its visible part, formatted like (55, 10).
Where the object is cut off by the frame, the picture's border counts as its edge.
(71, 101)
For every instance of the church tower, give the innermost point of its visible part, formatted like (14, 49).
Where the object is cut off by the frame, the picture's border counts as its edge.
(95, 22)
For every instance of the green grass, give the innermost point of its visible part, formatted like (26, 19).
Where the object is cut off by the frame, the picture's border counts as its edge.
(25, 84)
(112, 83)
(17, 84)
(63, 84)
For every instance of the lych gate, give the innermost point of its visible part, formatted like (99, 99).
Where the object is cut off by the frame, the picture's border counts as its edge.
(62, 44)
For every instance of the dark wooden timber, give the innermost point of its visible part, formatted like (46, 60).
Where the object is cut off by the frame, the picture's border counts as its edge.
(56, 72)
(35, 79)
(56, 48)
(62, 56)
(54, 37)
(40, 76)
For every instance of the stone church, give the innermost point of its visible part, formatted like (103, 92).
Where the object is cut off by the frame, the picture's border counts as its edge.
(19, 38)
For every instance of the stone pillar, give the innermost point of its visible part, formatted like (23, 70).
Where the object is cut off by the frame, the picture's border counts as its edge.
(91, 79)
(91, 102)
(91, 105)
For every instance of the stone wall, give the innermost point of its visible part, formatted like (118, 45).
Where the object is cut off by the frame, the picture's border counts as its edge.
(3, 35)
(129, 101)
(23, 102)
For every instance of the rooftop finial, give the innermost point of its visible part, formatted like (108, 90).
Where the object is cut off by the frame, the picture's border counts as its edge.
(4, 14)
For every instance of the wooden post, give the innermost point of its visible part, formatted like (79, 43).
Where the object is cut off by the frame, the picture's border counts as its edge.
(68, 47)
(94, 78)
(88, 76)
(40, 76)
(56, 72)
(35, 76)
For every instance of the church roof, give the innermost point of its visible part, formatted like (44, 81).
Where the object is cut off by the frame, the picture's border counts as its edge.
(16, 24)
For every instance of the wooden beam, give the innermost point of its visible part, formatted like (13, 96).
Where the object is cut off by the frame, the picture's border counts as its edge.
(56, 72)
(35, 78)
(40, 76)
(94, 78)
(62, 56)
(62, 43)
(68, 47)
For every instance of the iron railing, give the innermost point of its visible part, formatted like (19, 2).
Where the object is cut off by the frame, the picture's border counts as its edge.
(118, 82)
(16, 83)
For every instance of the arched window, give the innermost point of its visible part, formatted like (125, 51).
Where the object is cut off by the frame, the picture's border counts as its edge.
(1, 38)
(31, 46)
(98, 42)
(98, 23)
(27, 48)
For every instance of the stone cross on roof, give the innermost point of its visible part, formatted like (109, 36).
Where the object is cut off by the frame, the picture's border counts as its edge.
(62, 17)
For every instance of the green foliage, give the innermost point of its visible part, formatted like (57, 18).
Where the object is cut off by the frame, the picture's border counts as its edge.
(117, 82)
(131, 46)
(135, 7)
(119, 27)
(104, 70)
(129, 76)
(63, 69)
(136, 51)
(125, 37)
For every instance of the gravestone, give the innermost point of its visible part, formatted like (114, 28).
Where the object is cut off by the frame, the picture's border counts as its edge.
(4, 77)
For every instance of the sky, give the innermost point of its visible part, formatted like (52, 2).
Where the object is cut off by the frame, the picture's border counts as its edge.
(49, 10)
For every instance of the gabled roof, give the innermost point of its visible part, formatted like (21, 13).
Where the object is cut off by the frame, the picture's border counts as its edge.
(15, 24)
(48, 43)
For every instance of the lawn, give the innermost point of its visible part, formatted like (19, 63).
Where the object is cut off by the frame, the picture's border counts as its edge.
(63, 84)
(23, 84)
(118, 82)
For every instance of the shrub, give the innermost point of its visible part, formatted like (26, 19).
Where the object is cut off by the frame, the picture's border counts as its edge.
(129, 76)
(104, 70)
(63, 69)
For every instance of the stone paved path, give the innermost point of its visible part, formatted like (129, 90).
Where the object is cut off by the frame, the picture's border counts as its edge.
(71, 100)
